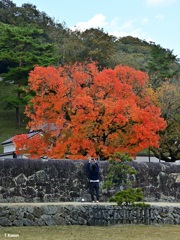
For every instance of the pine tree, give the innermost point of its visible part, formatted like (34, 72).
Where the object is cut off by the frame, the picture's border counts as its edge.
(21, 49)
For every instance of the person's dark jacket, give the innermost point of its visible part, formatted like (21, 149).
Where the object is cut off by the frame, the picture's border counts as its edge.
(93, 171)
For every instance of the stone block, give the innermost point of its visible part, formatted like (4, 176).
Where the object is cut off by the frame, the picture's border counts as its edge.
(5, 222)
(37, 211)
(49, 221)
(20, 179)
(27, 222)
(17, 223)
(59, 219)
(49, 210)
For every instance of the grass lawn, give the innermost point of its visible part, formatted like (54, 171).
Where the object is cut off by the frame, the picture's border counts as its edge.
(118, 232)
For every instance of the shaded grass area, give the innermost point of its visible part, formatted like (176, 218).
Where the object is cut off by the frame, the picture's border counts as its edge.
(8, 127)
(118, 232)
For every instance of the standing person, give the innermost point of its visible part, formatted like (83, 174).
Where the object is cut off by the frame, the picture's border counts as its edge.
(93, 170)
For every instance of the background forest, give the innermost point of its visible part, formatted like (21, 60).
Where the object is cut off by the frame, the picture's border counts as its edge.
(30, 37)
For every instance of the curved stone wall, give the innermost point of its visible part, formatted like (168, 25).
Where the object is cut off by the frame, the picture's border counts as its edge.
(92, 215)
(23, 180)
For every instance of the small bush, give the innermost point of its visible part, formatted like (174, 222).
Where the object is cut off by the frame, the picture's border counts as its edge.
(127, 197)
(141, 204)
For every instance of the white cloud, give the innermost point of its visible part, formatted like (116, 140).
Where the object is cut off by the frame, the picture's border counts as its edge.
(134, 32)
(145, 21)
(116, 26)
(159, 2)
(160, 17)
(129, 28)
(127, 25)
(99, 20)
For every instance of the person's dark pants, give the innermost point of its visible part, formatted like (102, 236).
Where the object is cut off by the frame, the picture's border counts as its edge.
(94, 186)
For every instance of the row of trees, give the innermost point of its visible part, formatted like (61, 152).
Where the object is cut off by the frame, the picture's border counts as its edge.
(29, 37)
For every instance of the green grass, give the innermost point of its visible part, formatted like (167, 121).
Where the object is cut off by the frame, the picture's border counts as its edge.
(118, 232)
(8, 127)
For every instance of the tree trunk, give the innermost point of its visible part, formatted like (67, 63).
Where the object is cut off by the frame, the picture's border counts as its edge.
(18, 117)
(162, 156)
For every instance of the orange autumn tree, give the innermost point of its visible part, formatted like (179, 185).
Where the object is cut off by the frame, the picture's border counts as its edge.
(82, 112)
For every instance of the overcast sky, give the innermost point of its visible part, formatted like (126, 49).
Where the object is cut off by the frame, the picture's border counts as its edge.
(150, 20)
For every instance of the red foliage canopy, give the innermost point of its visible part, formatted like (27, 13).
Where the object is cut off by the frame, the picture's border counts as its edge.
(82, 112)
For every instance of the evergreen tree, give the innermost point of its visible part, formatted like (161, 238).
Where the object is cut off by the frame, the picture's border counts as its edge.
(21, 49)
(161, 65)
(120, 180)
